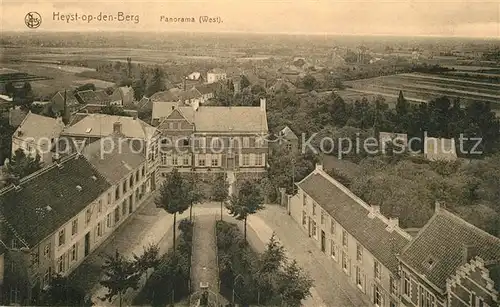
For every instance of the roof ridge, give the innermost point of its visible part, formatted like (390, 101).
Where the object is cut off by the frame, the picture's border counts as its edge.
(361, 202)
(11, 227)
(452, 215)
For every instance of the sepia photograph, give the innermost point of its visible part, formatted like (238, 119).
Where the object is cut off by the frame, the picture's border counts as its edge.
(224, 153)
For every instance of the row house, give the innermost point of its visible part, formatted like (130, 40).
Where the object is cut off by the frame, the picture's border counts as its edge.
(36, 135)
(53, 219)
(88, 128)
(212, 138)
(449, 262)
(359, 239)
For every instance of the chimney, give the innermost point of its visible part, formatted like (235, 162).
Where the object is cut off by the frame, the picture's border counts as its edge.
(469, 252)
(374, 210)
(392, 223)
(263, 104)
(319, 167)
(117, 128)
(437, 206)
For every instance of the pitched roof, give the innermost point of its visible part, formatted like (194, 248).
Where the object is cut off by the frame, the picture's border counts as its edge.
(38, 126)
(50, 197)
(103, 96)
(445, 240)
(163, 109)
(102, 125)
(190, 94)
(225, 119)
(87, 97)
(168, 96)
(207, 88)
(115, 158)
(70, 98)
(288, 134)
(352, 214)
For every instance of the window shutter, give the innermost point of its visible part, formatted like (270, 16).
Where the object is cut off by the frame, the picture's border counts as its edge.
(189, 159)
(196, 159)
(220, 159)
(241, 160)
(263, 162)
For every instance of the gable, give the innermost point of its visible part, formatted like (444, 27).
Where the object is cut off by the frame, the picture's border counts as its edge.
(176, 114)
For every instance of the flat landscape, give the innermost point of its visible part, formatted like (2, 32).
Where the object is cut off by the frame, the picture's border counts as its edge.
(421, 87)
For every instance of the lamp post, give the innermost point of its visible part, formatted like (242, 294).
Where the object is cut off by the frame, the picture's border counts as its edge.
(234, 284)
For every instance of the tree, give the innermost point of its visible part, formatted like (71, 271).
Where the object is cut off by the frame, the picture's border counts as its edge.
(21, 165)
(6, 131)
(269, 268)
(120, 275)
(244, 82)
(149, 259)
(309, 83)
(294, 285)
(113, 110)
(248, 201)
(220, 190)
(173, 196)
(61, 292)
(401, 105)
(156, 83)
(194, 193)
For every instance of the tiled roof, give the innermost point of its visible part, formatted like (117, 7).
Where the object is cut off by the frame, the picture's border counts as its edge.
(445, 240)
(226, 119)
(87, 97)
(206, 88)
(102, 125)
(38, 126)
(103, 97)
(114, 160)
(353, 217)
(167, 96)
(50, 197)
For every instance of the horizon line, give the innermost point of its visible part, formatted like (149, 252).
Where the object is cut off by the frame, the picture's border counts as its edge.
(27, 31)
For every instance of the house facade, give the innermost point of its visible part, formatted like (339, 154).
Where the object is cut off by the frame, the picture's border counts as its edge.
(358, 238)
(36, 135)
(123, 96)
(65, 97)
(449, 263)
(51, 232)
(212, 139)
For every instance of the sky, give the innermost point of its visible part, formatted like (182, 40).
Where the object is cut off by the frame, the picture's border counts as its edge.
(460, 18)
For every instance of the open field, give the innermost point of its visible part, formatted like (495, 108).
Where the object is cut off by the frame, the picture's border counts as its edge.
(419, 87)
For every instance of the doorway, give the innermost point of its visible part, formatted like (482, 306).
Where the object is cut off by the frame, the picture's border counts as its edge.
(87, 244)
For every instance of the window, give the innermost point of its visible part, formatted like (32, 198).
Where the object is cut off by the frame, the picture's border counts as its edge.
(393, 285)
(304, 199)
(333, 250)
(74, 227)
(246, 159)
(117, 193)
(124, 208)
(376, 269)
(46, 279)
(74, 252)
(426, 298)
(313, 228)
(99, 229)
(164, 158)
(88, 215)
(246, 142)
(201, 160)
(143, 171)
(215, 161)
(251, 142)
(322, 217)
(359, 252)
(60, 264)
(314, 208)
(345, 262)
(131, 181)
(62, 237)
(174, 160)
(344, 238)
(377, 296)
(46, 251)
(332, 226)
(99, 206)
(108, 220)
(393, 304)
(137, 176)
(125, 186)
(14, 244)
(406, 284)
(304, 218)
(15, 293)
(288, 146)
(117, 214)
(185, 160)
(258, 159)
(359, 278)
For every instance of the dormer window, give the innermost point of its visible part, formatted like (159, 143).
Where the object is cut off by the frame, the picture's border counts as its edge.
(430, 262)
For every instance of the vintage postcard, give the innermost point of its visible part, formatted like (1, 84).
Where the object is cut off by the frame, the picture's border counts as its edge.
(317, 153)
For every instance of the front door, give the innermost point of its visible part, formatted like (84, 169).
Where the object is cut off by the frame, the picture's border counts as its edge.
(230, 163)
(87, 244)
(323, 243)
